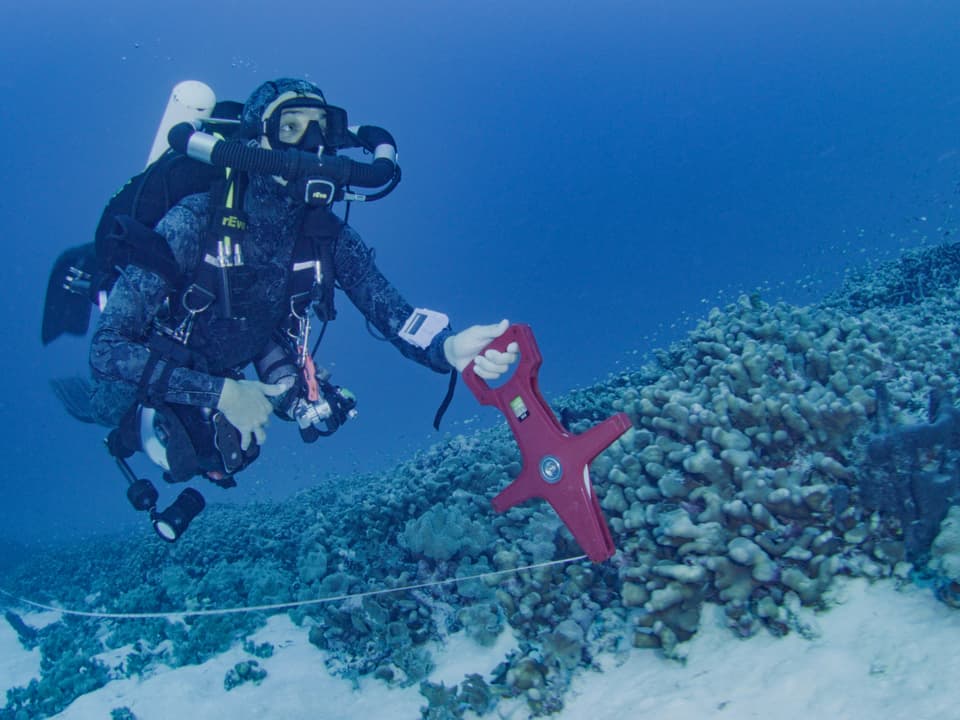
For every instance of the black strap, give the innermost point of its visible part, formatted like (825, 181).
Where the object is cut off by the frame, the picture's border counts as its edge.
(143, 387)
(276, 354)
(173, 355)
(227, 220)
(132, 243)
(124, 440)
(318, 237)
(182, 455)
(316, 344)
(323, 303)
(446, 400)
(303, 274)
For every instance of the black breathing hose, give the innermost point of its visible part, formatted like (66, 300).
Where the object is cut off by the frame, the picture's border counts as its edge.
(371, 137)
(289, 164)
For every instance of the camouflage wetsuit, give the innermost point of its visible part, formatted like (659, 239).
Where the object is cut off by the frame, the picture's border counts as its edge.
(119, 353)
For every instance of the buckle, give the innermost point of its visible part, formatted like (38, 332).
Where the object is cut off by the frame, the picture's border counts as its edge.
(319, 192)
(196, 299)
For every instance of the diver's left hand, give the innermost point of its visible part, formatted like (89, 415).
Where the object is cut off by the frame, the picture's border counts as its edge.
(466, 345)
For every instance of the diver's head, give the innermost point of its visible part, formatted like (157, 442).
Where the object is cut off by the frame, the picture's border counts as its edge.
(289, 113)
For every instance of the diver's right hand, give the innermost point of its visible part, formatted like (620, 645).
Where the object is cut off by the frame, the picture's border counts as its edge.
(245, 405)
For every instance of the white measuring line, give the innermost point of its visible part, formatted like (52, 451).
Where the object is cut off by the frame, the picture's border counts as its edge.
(281, 606)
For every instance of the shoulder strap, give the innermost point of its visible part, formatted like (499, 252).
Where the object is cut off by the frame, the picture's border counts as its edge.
(222, 246)
(314, 251)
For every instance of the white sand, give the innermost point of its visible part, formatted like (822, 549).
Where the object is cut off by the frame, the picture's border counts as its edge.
(880, 653)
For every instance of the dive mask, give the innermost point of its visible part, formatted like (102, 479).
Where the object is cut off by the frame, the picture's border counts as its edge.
(307, 124)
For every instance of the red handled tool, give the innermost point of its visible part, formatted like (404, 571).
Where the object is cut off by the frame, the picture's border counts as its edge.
(556, 464)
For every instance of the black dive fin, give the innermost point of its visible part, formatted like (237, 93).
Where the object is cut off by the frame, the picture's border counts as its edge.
(74, 393)
(68, 311)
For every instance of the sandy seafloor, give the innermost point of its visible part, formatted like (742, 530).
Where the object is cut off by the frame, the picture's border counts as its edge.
(878, 652)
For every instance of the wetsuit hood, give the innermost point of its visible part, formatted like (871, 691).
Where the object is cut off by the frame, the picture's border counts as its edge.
(266, 95)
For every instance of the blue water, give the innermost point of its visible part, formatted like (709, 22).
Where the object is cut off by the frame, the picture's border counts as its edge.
(604, 171)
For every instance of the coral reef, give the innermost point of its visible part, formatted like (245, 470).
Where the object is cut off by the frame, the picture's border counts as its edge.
(945, 559)
(443, 532)
(917, 275)
(473, 694)
(913, 471)
(247, 671)
(775, 448)
(27, 635)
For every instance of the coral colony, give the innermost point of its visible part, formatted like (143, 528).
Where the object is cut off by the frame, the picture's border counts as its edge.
(773, 450)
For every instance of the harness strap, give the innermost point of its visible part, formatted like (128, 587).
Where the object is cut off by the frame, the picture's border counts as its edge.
(172, 354)
(318, 236)
(132, 243)
(124, 440)
(222, 247)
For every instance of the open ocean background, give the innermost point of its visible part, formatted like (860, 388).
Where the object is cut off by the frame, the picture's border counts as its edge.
(606, 172)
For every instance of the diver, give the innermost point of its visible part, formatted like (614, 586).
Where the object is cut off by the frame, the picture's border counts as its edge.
(249, 265)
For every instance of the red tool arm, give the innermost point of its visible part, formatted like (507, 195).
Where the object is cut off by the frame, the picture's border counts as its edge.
(556, 464)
